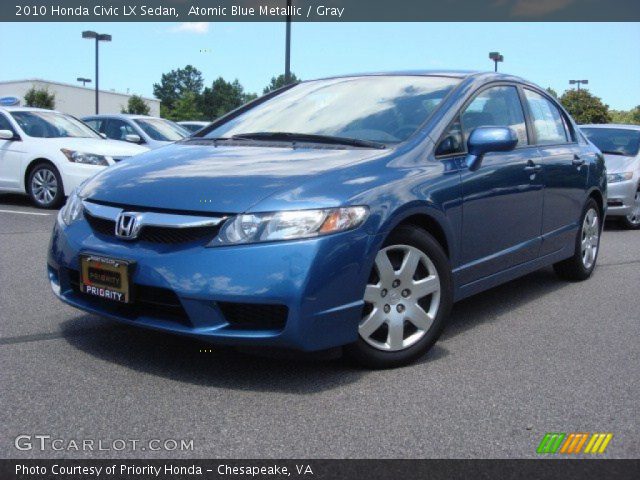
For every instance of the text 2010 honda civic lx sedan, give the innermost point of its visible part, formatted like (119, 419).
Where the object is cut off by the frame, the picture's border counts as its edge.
(348, 211)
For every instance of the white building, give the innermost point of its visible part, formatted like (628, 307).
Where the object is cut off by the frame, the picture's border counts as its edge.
(72, 99)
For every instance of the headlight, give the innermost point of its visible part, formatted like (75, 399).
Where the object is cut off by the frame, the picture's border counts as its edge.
(72, 209)
(289, 225)
(87, 158)
(619, 177)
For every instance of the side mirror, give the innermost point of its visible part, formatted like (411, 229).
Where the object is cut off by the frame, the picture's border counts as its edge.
(484, 140)
(7, 135)
(133, 138)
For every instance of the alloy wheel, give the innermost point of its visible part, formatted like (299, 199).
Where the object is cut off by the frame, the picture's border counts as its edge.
(402, 298)
(44, 186)
(590, 238)
(634, 216)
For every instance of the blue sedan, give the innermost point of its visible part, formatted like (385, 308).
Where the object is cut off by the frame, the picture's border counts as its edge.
(349, 211)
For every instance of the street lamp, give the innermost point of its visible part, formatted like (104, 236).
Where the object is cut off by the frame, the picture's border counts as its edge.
(496, 57)
(578, 82)
(83, 80)
(99, 37)
(287, 51)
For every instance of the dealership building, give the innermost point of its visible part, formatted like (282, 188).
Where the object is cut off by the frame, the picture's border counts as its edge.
(72, 99)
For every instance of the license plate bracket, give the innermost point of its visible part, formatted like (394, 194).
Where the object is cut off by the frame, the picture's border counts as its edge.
(106, 278)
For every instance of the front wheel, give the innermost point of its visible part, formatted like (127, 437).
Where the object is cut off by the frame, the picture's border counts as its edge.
(407, 300)
(44, 186)
(632, 221)
(581, 265)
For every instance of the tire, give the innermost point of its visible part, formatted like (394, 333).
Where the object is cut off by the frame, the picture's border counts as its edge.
(45, 187)
(416, 282)
(632, 221)
(581, 265)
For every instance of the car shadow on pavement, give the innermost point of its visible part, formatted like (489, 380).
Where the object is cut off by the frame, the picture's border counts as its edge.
(15, 200)
(188, 360)
(488, 306)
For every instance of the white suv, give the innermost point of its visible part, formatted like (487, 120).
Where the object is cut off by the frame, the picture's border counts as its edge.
(46, 154)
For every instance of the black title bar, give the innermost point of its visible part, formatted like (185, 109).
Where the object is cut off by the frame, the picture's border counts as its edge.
(320, 10)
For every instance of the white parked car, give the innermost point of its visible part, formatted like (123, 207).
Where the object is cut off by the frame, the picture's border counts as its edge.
(46, 154)
(620, 145)
(152, 132)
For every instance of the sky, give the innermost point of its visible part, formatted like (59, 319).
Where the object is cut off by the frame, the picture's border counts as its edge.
(549, 54)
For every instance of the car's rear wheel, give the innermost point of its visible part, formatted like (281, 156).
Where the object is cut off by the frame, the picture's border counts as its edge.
(581, 265)
(407, 300)
(44, 186)
(632, 221)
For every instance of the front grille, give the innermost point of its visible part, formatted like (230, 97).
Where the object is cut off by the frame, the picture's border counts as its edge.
(253, 316)
(101, 225)
(151, 234)
(149, 301)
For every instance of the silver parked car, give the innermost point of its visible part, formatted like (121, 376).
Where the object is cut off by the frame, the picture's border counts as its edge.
(152, 132)
(620, 145)
(193, 125)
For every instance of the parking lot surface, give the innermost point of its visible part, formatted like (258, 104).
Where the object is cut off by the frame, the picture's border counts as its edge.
(533, 356)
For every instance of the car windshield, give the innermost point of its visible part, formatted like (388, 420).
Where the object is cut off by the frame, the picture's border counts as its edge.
(386, 109)
(52, 125)
(616, 141)
(162, 130)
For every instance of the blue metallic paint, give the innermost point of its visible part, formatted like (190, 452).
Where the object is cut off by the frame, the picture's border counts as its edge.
(498, 223)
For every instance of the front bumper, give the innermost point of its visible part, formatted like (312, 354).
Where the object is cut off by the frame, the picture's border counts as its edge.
(317, 284)
(621, 197)
(73, 174)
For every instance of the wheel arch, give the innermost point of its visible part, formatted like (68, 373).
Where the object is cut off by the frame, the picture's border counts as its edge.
(599, 198)
(430, 219)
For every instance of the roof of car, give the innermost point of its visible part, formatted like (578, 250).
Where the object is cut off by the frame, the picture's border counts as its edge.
(27, 109)
(611, 125)
(119, 115)
(461, 74)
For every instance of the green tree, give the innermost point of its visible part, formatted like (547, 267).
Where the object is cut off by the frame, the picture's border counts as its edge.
(278, 82)
(40, 98)
(552, 92)
(137, 106)
(222, 97)
(585, 107)
(626, 116)
(185, 108)
(175, 84)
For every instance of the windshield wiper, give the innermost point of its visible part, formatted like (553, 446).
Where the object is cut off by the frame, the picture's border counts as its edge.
(613, 152)
(308, 137)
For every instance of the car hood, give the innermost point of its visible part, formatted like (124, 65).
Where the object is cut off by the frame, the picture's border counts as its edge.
(620, 163)
(223, 179)
(94, 145)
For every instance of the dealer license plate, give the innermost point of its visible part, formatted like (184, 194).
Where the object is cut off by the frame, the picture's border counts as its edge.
(104, 277)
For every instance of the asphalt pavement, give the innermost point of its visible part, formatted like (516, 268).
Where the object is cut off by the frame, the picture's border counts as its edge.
(533, 356)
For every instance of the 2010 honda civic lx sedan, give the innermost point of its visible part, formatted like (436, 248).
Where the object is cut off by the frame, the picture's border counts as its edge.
(348, 211)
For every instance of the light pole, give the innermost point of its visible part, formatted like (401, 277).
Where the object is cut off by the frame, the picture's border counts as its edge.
(496, 57)
(287, 52)
(99, 37)
(578, 82)
(83, 80)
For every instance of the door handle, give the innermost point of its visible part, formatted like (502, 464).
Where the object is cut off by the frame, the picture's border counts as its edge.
(577, 160)
(532, 167)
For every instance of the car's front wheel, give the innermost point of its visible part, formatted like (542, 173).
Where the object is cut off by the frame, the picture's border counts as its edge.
(407, 300)
(44, 186)
(632, 221)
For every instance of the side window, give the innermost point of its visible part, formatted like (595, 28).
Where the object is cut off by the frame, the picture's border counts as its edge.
(4, 124)
(452, 142)
(496, 107)
(117, 129)
(548, 122)
(94, 123)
